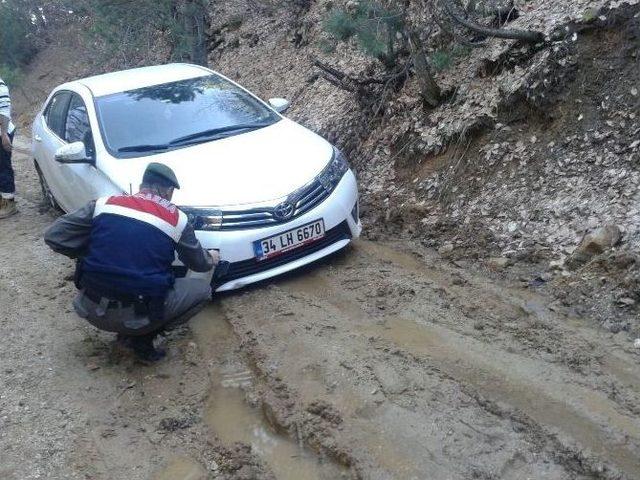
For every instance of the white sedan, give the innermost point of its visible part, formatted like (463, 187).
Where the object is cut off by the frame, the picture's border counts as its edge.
(268, 193)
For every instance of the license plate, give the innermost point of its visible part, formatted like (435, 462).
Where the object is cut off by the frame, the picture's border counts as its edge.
(289, 240)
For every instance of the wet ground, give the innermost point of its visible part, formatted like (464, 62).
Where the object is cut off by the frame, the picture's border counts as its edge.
(384, 362)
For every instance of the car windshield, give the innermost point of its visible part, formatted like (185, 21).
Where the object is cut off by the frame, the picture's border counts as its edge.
(177, 114)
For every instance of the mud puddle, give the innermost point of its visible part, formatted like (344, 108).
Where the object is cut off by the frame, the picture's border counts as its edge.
(181, 468)
(234, 417)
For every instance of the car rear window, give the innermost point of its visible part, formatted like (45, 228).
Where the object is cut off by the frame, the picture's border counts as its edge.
(160, 114)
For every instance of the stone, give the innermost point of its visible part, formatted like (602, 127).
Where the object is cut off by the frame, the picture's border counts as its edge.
(446, 249)
(557, 264)
(626, 302)
(594, 244)
(390, 380)
(624, 260)
(498, 263)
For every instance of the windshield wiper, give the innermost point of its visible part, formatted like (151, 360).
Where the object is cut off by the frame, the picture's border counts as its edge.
(143, 148)
(206, 135)
(217, 132)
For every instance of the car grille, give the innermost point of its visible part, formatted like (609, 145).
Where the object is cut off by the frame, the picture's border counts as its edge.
(303, 200)
(252, 266)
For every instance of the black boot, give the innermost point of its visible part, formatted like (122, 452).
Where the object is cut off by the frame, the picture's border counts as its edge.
(143, 348)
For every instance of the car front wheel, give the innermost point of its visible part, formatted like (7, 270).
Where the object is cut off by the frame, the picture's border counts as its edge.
(47, 195)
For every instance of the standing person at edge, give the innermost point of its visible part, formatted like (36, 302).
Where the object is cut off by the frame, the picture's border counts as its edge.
(126, 246)
(7, 131)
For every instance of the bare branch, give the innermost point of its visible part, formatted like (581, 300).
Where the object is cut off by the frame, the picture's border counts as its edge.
(528, 36)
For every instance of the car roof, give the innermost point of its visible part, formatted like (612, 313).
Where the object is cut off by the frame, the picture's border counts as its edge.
(126, 80)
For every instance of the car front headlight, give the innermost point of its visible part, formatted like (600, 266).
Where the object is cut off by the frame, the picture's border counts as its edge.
(333, 173)
(206, 219)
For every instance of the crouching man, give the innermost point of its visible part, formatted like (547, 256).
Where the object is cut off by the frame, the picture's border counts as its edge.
(125, 246)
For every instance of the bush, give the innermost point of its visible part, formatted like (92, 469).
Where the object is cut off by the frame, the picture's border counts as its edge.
(12, 76)
(441, 60)
(341, 25)
(16, 35)
(327, 46)
(235, 22)
(374, 27)
(134, 26)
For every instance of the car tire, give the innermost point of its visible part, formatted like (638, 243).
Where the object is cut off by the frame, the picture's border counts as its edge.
(47, 195)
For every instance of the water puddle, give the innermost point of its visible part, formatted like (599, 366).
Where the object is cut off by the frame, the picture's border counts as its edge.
(181, 468)
(234, 419)
(379, 250)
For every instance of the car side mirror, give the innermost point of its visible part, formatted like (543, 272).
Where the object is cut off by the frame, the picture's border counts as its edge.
(73, 153)
(280, 105)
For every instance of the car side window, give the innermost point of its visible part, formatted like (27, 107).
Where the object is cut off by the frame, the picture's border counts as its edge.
(77, 126)
(56, 113)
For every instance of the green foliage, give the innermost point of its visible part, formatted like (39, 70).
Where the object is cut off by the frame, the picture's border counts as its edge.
(327, 46)
(375, 28)
(443, 59)
(16, 34)
(590, 15)
(130, 27)
(127, 26)
(235, 22)
(11, 75)
(341, 25)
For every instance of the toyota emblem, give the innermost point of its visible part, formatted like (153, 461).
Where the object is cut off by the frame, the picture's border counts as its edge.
(284, 211)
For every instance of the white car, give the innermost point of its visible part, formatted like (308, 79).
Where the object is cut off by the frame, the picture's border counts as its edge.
(268, 193)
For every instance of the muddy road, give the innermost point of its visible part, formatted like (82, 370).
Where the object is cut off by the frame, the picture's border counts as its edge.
(384, 362)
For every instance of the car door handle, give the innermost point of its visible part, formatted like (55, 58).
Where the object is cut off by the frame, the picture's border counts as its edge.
(37, 138)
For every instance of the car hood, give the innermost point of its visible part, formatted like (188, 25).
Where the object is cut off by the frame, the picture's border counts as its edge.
(255, 167)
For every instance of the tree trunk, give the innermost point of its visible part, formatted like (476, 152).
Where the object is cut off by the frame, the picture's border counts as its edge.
(429, 89)
(195, 23)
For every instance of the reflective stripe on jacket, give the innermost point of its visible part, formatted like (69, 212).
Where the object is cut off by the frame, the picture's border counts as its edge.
(132, 244)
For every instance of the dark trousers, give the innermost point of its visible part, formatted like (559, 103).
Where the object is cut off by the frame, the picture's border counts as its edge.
(7, 178)
(187, 297)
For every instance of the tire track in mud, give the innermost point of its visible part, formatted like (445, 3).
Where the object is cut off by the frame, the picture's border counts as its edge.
(520, 322)
(379, 339)
(234, 409)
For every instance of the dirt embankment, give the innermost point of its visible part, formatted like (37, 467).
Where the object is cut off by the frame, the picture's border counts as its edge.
(535, 148)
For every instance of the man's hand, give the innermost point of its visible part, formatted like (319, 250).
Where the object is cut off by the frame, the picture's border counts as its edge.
(215, 255)
(6, 142)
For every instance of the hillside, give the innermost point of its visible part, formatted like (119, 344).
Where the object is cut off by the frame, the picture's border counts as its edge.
(533, 149)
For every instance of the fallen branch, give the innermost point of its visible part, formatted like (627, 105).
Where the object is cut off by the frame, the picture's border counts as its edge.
(371, 91)
(349, 82)
(451, 31)
(528, 36)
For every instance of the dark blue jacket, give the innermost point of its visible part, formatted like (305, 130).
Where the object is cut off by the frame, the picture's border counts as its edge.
(128, 244)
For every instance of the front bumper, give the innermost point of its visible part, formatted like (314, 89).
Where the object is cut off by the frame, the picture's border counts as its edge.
(236, 247)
